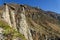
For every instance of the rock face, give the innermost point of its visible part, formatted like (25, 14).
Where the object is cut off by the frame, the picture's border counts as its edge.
(31, 22)
(9, 16)
(24, 28)
(6, 15)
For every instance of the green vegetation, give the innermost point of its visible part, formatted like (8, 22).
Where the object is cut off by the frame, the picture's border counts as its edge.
(10, 31)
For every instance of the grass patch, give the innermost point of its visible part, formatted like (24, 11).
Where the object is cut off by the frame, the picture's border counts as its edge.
(9, 30)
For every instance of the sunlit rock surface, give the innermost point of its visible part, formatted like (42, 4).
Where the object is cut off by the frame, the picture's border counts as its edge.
(23, 22)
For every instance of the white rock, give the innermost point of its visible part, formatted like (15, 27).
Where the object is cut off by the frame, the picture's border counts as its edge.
(1, 30)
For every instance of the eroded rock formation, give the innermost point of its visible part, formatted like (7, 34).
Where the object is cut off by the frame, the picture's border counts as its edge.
(31, 22)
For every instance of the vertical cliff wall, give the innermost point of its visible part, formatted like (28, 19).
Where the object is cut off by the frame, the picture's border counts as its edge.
(18, 23)
(6, 15)
(24, 28)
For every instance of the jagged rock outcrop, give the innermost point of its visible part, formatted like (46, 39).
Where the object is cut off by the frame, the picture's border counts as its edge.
(31, 22)
(15, 22)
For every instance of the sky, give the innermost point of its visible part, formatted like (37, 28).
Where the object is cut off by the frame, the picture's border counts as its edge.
(47, 5)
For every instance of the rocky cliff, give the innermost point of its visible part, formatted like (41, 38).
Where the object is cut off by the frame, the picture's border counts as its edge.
(23, 22)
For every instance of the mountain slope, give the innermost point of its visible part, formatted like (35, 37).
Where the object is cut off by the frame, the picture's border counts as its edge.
(32, 22)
